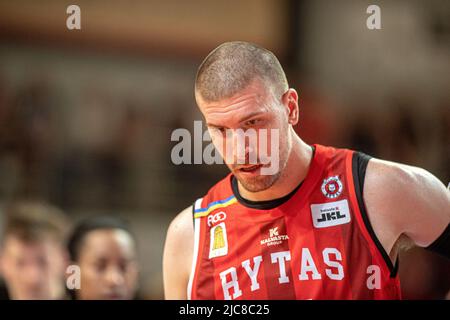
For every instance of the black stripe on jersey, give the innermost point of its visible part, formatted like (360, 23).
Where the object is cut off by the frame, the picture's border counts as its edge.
(359, 165)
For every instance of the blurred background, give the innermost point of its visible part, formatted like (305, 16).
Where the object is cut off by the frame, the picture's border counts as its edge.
(86, 115)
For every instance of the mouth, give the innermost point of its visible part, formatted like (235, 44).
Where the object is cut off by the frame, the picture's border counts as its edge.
(114, 296)
(250, 169)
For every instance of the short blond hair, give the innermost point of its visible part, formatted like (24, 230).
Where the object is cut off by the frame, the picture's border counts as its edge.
(232, 66)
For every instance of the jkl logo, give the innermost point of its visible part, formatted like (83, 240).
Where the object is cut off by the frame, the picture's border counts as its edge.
(331, 215)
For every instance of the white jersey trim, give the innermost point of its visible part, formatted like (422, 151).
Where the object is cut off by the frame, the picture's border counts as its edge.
(197, 205)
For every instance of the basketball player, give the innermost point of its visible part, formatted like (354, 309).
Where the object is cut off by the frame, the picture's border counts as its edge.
(327, 225)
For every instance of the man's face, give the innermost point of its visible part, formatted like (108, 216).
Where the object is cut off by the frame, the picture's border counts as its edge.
(254, 109)
(107, 261)
(33, 270)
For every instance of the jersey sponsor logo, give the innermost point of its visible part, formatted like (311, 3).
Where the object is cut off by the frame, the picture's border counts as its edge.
(218, 245)
(332, 187)
(215, 218)
(330, 214)
(246, 277)
(274, 238)
(273, 232)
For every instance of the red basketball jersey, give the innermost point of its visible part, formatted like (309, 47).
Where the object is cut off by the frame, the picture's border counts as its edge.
(315, 243)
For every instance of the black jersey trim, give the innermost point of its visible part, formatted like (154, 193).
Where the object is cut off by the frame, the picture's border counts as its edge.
(359, 165)
(266, 204)
(262, 205)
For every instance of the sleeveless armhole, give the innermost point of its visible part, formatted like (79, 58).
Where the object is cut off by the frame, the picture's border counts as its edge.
(359, 165)
(196, 221)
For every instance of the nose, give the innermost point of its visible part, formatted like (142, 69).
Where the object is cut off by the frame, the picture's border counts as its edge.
(33, 275)
(115, 277)
(244, 147)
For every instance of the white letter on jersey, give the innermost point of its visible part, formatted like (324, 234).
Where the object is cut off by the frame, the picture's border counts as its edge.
(308, 265)
(253, 274)
(334, 264)
(374, 280)
(281, 257)
(226, 286)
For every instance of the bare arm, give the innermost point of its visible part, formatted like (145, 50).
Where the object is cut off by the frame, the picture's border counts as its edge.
(178, 252)
(405, 201)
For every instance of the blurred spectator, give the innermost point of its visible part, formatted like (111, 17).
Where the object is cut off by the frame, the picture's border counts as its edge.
(404, 140)
(362, 124)
(33, 258)
(28, 135)
(105, 250)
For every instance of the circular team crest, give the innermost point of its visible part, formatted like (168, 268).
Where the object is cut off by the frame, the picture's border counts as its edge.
(332, 187)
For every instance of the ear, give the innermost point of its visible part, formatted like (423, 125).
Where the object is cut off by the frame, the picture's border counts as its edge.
(290, 100)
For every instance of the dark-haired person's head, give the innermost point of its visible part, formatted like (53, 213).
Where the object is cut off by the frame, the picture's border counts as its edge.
(33, 257)
(105, 250)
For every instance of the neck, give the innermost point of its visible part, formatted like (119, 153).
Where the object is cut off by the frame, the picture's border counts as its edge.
(294, 172)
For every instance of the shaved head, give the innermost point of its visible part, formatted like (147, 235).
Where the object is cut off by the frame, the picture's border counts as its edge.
(232, 66)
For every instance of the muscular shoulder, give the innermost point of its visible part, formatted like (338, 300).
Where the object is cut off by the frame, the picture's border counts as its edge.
(407, 200)
(178, 251)
(390, 180)
(181, 230)
(182, 224)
